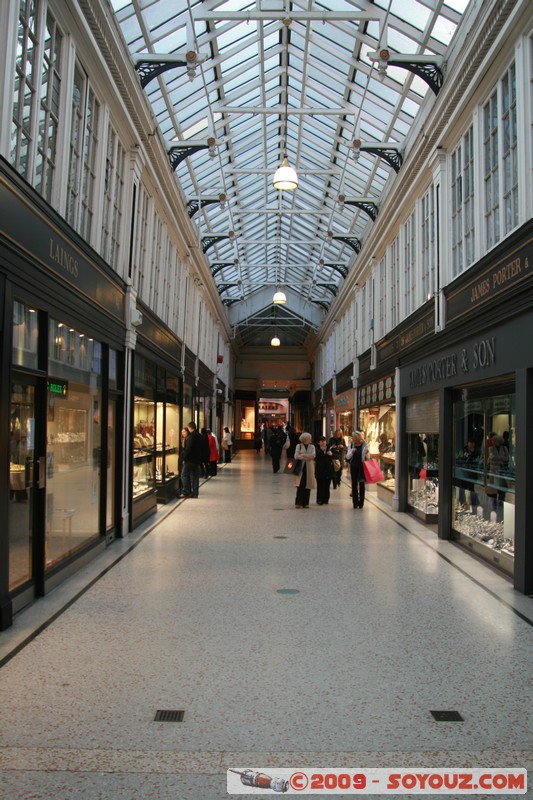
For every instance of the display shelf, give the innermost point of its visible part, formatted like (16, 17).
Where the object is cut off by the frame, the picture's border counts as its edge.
(385, 491)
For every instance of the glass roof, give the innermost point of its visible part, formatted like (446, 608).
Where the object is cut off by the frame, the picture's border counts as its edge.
(282, 78)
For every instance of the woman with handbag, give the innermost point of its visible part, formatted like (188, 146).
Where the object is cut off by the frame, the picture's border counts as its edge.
(324, 472)
(305, 481)
(357, 453)
(227, 443)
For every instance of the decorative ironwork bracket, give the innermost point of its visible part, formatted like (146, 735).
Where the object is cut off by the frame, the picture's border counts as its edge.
(427, 67)
(179, 152)
(225, 286)
(322, 304)
(150, 65)
(219, 266)
(340, 268)
(209, 241)
(148, 70)
(331, 286)
(370, 208)
(392, 156)
(195, 205)
(351, 241)
(430, 72)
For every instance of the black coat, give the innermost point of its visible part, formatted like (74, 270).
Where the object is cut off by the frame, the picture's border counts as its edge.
(323, 464)
(194, 448)
(276, 443)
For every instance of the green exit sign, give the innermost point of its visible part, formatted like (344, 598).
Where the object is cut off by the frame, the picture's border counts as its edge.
(58, 387)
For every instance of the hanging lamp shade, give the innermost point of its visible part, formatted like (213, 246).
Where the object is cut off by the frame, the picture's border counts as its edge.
(279, 298)
(285, 176)
(275, 342)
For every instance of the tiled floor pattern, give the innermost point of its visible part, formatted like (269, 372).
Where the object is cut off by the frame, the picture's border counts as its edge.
(385, 624)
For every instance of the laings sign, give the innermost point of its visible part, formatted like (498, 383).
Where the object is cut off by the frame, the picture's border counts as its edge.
(480, 356)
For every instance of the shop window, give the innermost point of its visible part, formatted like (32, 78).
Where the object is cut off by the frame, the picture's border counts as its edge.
(484, 476)
(25, 335)
(144, 409)
(245, 419)
(378, 424)
(74, 441)
(167, 430)
(423, 465)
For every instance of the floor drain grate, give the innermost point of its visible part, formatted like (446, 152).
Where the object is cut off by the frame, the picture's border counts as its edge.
(447, 716)
(288, 591)
(279, 537)
(169, 716)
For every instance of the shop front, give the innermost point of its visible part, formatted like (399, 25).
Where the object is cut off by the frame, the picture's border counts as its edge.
(157, 418)
(246, 419)
(467, 415)
(62, 315)
(345, 403)
(377, 420)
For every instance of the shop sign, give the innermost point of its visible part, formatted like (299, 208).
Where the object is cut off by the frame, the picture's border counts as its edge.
(415, 333)
(52, 250)
(58, 387)
(381, 391)
(345, 400)
(492, 282)
(466, 361)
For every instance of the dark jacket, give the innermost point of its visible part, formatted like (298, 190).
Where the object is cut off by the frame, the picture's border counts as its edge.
(194, 448)
(277, 441)
(323, 464)
(338, 449)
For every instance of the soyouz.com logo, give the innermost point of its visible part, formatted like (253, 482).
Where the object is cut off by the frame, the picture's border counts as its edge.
(420, 780)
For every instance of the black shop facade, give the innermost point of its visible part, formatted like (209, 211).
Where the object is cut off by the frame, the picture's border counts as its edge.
(466, 414)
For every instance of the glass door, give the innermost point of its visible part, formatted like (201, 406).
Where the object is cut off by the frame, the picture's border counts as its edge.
(22, 488)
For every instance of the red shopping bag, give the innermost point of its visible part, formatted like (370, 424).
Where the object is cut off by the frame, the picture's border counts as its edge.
(373, 474)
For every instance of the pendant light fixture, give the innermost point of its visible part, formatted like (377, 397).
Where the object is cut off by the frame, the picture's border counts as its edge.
(285, 176)
(279, 298)
(275, 341)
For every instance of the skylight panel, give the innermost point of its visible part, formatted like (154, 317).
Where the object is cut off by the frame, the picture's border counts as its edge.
(236, 34)
(118, 5)
(443, 30)
(411, 11)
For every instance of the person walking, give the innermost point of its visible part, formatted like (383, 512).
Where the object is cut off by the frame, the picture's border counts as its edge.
(277, 441)
(357, 453)
(323, 472)
(183, 441)
(192, 458)
(305, 481)
(213, 453)
(338, 450)
(204, 465)
(227, 444)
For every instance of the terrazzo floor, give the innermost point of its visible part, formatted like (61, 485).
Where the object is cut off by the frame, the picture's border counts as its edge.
(382, 624)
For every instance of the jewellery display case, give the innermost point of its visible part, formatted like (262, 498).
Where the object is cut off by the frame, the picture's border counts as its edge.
(378, 424)
(143, 446)
(167, 448)
(484, 478)
(423, 466)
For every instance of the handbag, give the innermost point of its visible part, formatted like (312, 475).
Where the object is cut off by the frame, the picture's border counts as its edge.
(293, 466)
(286, 444)
(336, 464)
(373, 474)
